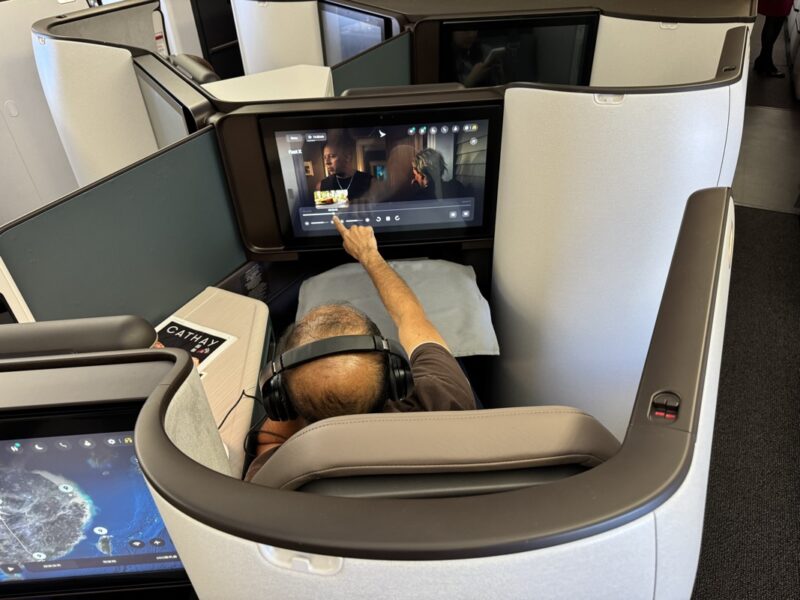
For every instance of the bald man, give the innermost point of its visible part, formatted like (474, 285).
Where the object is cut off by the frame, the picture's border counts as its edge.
(347, 384)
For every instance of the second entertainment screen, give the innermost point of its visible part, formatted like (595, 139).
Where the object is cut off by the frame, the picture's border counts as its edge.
(409, 177)
(77, 506)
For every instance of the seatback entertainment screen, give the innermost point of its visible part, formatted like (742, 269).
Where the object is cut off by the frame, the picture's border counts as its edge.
(400, 173)
(555, 50)
(76, 506)
(347, 32)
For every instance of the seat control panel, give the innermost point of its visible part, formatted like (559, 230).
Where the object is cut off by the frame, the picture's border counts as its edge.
(665, 406)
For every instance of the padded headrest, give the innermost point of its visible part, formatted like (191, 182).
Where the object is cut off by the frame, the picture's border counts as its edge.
(438, 442)
(194, 67)
(74, 336)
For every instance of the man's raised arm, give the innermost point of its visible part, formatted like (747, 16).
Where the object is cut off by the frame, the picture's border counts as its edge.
(403, 306)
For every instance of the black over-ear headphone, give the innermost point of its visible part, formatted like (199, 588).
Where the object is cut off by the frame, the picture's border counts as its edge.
(275, 398)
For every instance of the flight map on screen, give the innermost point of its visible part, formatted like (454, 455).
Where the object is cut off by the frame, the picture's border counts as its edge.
(77, 505)
(398, 177)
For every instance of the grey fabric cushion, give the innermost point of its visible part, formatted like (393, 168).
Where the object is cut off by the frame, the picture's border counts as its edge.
(447, 290)
(439, 442)
(190, 426)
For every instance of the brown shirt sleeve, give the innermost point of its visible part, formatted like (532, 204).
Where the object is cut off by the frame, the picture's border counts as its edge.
(259, 461)
(439, 383)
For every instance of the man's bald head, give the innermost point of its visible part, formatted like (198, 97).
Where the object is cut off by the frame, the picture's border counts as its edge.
(342, 384)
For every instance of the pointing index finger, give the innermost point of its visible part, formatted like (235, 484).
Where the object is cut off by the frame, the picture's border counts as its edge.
(340, 227)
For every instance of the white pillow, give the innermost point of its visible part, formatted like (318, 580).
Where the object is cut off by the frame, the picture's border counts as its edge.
(448, 292)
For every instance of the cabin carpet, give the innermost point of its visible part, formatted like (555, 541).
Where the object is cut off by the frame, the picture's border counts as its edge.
(751, 535)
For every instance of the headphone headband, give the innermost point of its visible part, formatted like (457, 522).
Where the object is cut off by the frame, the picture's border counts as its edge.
(400, 382)
(342, 344)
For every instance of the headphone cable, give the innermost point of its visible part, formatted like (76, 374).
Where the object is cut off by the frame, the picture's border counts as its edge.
(235, 404)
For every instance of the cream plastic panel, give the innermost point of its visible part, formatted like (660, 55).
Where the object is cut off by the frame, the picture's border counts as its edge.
(793, 28)
(277, 34)
(85, 384)
(19, 192)
(591, 196)
(237, 367)
(133, 26)
(33, 165)
(96, 103)
(180, 27)
(287, 83)
(679, 521)
(642, 53)
(619, 563)
(738, 92)
(13, 297)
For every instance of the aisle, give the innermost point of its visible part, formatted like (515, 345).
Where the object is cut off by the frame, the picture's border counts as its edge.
(751, 537)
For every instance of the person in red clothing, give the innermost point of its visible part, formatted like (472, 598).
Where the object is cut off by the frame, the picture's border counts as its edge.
(775, 13)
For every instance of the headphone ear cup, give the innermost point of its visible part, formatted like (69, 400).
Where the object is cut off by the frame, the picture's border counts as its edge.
(391, 378)
(401, 382)
(408, 377)
(269, 394)
(287, 408)
(277, 404)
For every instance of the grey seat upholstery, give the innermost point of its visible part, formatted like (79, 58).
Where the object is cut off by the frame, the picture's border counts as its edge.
(425, 454)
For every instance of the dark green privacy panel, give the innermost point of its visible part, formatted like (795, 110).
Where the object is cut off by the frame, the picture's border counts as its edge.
(386, 64)
(141, 242)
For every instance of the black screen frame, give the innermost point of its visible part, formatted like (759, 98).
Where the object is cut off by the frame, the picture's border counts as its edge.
(55, 420)
(5, 309)
(386, 34)
(498, 23)
(491, 112)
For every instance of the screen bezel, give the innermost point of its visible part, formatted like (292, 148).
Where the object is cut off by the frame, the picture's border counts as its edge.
(55, 420)
(493, 113)
(447, 27)
(325, 6)
(5, 308)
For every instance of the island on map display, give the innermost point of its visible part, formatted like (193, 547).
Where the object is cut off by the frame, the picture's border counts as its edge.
(77, 505)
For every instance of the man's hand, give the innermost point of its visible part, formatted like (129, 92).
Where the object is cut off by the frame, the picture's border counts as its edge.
(413, 326)
(359, 242)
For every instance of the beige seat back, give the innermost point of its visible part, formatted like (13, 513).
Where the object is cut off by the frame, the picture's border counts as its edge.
(377, 448)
